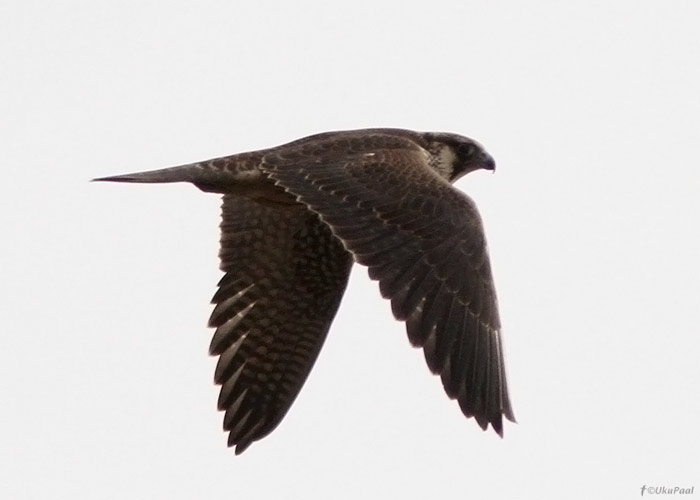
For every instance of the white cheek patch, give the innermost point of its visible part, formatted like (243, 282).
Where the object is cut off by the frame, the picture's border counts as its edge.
(444, 161)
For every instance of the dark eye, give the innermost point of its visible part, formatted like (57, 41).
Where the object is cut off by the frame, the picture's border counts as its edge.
(466, 150)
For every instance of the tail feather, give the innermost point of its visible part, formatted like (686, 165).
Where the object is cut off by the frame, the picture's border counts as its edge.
(184, 173)
(214, 176)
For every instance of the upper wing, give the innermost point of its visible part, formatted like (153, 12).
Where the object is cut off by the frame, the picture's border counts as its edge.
(424, 242)
(285, 276)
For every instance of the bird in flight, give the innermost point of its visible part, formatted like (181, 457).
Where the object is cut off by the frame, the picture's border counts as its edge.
(295, 218)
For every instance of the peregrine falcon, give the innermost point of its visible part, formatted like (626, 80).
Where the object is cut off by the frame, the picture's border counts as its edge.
(295, 218)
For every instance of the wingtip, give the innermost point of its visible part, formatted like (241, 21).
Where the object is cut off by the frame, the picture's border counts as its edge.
(497, 425)
(497, 422)
(239, 447)
(494, 420)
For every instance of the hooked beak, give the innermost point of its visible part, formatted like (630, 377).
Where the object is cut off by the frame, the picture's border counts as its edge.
(489, 163)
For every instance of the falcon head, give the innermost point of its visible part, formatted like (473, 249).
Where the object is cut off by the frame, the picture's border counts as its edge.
(454, 156)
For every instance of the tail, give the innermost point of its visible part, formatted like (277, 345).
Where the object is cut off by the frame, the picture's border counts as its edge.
(211, 175)
(182, 173)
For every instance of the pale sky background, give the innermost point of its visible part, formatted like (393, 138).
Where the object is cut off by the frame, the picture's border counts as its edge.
(592, 111)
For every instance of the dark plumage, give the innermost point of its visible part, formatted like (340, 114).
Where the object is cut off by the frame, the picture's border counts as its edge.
(295, 217)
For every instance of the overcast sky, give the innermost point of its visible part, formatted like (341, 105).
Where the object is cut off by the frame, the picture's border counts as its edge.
(592, 111)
